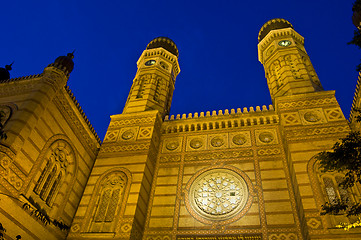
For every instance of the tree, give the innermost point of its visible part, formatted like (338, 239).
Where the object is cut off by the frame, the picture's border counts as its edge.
(344, 158)
(356, 18)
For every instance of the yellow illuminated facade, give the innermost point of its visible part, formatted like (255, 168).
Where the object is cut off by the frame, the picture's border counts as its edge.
(234, 174)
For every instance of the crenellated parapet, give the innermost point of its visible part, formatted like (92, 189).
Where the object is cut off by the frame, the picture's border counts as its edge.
(22, 78)
(221, 120)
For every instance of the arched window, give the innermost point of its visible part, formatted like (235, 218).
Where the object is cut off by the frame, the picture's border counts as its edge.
(110, 194)
(330, 189)
(333, 193)
(57, 160)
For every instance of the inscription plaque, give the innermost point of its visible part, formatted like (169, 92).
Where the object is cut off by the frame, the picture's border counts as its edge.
(221, 237)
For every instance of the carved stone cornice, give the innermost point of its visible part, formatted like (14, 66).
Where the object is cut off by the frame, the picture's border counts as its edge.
(77, 120)
(17, 86)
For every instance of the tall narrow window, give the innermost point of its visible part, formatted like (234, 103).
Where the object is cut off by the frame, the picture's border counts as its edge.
(50, 180)
(345, 196)
(110, 193)
(330, 189)
(54, 187)
(43, 175)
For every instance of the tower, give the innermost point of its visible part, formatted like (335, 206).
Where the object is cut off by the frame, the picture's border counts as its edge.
(308, 119)
(115, 201)
(288, 68)
(153, 84)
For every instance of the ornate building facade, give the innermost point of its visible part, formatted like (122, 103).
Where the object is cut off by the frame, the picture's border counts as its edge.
(233, 174)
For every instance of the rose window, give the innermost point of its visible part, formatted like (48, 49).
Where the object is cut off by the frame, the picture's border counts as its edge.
(218, 194)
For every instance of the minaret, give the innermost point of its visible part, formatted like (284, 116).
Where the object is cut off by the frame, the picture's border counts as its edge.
(130, 148)
(287, 65)
(154, 81)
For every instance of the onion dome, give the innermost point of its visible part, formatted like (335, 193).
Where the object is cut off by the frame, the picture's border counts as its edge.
(274, 24)
(4, 72)
(65, 62)
(165, 43)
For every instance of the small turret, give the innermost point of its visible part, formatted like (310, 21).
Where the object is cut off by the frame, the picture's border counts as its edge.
(64, 63)
(4, 72)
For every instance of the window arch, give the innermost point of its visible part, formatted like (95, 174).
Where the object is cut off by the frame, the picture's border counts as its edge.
(109, 196)
(326, 189)
(58, 157)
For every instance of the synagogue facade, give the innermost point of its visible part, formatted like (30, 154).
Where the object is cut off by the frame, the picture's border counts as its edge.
(246, 173)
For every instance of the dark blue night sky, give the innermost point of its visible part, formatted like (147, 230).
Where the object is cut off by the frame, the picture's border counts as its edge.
(217, 42)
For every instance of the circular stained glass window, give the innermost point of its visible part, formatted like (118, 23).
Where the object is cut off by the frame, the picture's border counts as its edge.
(218, 194)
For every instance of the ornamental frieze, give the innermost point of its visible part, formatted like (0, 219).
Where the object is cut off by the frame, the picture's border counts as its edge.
(219, 155)
(76, 124)
(268, 151)
(315, 131)
(307, 103)
(125, 148)
(220, 237)
(170, 158)
(131, 121)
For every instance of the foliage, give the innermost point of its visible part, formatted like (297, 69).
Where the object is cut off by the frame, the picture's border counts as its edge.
(40, 214)
(345, 158)
(356, 40)
(348, 226)
(2, 231)
(356, 6)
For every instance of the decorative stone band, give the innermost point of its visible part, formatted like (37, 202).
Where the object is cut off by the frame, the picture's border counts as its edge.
(317, 131)
(307, 103)
(125, 148)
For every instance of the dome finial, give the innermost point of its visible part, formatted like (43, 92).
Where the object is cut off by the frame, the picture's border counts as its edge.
(8, 67)
(164, 42)
(4, 72)
(65, 62)
(273, 24)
